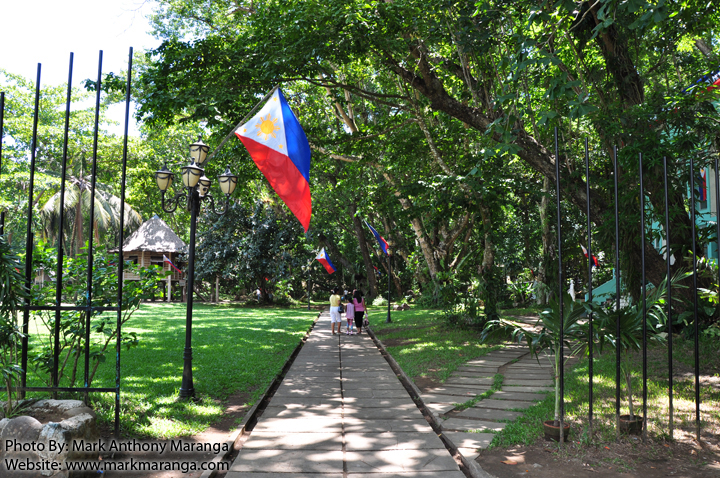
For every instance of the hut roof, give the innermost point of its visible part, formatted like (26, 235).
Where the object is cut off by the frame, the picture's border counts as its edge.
(154, 235)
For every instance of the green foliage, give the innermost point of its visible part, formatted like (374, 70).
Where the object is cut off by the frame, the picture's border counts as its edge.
(629, 321)
(72, 323)
(380, 301)
(12, 294)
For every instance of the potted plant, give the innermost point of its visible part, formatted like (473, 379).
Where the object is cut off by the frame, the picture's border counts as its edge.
(630, 339)
(547, 340)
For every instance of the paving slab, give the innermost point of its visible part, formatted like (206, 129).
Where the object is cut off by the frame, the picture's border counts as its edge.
(461, 390)
(392, 441)
(300, 425)
(529, 383)
(459, 380)
(308, 412)
(380, 413)
(372, 385)
(433, 398)
(520, 388)
(522, 396)
(404, 403)
(478, 368)
(294, 441)
(370, 393)
(470, 440)
(474, 375)
(439, 408)
(380, 426)
(488, 414)
(502, 404)
(465, 424)
(393, 461)
(288, 461)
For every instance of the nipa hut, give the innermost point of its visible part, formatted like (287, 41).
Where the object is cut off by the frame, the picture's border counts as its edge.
(147, 246)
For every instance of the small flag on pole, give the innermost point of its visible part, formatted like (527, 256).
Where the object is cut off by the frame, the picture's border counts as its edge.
(702, 186)
(280, 149)
(325, 261)
(382, 242)
(165, 259)
(594, 259)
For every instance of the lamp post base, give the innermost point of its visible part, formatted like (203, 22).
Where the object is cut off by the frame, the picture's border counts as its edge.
(187, 390)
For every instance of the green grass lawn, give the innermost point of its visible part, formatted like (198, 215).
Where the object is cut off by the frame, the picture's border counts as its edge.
(528, 428)
(423, 345)
(235, 349)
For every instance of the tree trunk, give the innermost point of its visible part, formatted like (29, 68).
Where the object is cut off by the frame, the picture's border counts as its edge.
(359, 233)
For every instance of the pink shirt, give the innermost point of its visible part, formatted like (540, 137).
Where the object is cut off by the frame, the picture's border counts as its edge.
(359, 306)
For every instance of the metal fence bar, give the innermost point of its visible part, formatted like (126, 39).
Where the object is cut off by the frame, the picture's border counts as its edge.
(90, 252)
(590, 287)
(121, 262)
(560, 292)
(644, 300)
(669, 301)
(29, 244)
(695, 299)
(61, 222)
(617, 294)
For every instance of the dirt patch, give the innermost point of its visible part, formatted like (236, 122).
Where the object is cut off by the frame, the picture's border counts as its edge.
(628, 458)
(199, 448)
(426, 384)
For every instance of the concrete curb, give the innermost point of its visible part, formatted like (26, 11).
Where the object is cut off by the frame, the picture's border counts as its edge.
(248, 422)
(470, 466)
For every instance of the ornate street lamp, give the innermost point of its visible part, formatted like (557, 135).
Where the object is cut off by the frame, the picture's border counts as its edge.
(197, 187)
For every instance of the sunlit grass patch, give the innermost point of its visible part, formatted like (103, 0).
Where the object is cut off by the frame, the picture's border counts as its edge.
(235, 350)
(424, 346)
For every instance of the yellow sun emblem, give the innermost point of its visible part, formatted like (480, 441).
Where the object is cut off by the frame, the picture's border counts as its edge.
(267, 126)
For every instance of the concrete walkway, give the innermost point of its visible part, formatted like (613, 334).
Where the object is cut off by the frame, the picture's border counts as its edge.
(341, 412)
(525, 381)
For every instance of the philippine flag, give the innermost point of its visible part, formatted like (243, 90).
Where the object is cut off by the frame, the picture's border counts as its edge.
(280, 149)
(383, 243)
(594, 259)
(702, 186)
(325, 261)
(165, 259)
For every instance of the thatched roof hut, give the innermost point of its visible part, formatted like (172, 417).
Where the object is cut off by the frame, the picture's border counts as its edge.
(153, 240)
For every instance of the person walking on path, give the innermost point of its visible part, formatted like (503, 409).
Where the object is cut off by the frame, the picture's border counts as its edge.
(350, 317)
(335, 311)
(359, 303)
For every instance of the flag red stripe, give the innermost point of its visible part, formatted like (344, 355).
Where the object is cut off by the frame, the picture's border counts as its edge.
(284, 177)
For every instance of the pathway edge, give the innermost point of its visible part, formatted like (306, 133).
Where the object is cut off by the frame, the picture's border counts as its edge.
(472, 467)
(233, 442)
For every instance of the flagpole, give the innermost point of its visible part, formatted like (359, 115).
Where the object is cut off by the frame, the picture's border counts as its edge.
(242, 122)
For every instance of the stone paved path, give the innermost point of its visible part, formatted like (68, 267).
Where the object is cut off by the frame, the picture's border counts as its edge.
(470, 429)
(341, 412)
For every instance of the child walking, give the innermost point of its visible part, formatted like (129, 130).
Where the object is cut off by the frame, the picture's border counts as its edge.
(350, 317)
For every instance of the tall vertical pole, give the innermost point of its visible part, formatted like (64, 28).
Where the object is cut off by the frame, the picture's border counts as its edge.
(561, 297)
(90, 252)
(388, 320)
(121, 261)
(644, 300)
(617, 295)
(29, 237)
(695, 302)
(308, 281)
(187, 390)
(590, 290)
(61, 222)
(671, 425)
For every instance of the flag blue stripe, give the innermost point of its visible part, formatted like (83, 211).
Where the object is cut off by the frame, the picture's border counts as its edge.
(297, 143)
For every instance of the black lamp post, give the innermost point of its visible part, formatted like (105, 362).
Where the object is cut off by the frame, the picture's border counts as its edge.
(196, 191)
